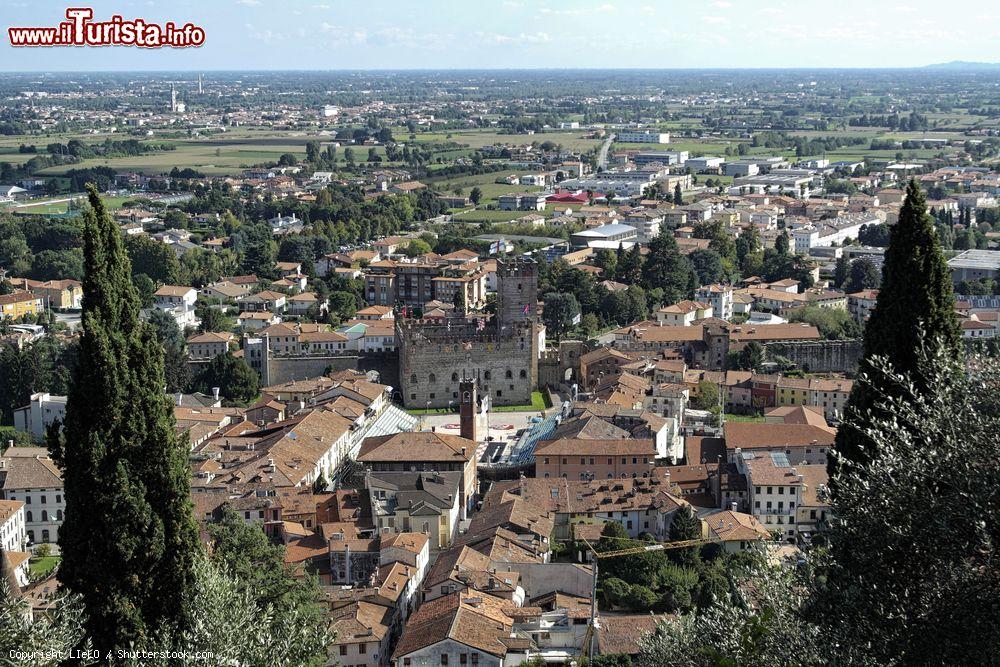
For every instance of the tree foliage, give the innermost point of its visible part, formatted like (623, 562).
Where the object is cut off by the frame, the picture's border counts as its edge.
(128, 539)
(915, 307)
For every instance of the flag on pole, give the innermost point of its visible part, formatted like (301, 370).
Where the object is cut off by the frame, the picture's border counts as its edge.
(526, 309)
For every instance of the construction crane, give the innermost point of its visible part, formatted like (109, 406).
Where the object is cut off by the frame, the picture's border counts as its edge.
(591, 636)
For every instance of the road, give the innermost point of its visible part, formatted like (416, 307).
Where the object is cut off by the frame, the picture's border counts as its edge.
(602, 156)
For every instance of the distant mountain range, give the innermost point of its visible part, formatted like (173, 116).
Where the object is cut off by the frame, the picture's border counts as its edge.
(964, 64)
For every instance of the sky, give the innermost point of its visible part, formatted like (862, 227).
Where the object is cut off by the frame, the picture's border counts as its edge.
(501, 34)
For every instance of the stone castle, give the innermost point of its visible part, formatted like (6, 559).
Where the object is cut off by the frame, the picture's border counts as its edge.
(501, 353)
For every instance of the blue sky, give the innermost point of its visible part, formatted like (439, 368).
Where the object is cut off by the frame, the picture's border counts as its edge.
(396, 34)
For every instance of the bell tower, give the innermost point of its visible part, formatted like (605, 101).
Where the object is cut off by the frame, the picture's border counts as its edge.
(468, 409)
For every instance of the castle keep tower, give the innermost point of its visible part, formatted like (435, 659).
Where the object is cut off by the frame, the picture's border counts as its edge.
(517, 290)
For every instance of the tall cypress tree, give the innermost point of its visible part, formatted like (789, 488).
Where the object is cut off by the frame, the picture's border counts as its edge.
(128, 538)
(915, 309)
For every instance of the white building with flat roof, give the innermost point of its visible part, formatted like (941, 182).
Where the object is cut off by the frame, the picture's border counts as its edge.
(975, 265)
(643, 137)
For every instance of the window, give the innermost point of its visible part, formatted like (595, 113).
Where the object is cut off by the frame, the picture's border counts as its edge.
(413, 378)
(406, 662)
(610, 461)
(564, 460)
(509, 375)
(464, 658)
(27, 516)
(523, 374)
(454, 377)
(45, 535)
(444, 658)
(45, 516)
(433, 378)
(770, 490)
(343, 649)
(44, 498)
(362, 648)
(781, 490)
(756, 489)
(546, 460)
(486, 375)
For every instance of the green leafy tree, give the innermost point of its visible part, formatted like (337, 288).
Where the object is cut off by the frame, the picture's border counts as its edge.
(166, 329)
(841, 271)
(666, 268)
(559, 312)
(915, 311)
(459, 300)
(237, 382)
(641, 598)
(43, 638)
(708, 265)
(761, 624)
(864, 275)
(232, 623)
(749, 251)
(832, 323)
(751, 357)
(475, 195)
(630, 266)
(212, 318)
(678, 196)
(708, 396)
(781, 243)
(684, 526)
(146, 290)
(616, 592)
(913, 542)
(155, 260)
(416, 247)
(129, 539)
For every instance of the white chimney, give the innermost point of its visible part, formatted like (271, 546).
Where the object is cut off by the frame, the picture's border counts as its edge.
(215, 393)
(180, 398)
(732, 506)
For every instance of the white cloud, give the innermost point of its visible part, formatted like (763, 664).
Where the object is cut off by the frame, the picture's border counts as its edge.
(522, 38)
(722, 4)
(579, 11)
(714, 20)
(267, 36)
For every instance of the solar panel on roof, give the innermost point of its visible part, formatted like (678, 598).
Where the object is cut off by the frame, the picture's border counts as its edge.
(780, 459)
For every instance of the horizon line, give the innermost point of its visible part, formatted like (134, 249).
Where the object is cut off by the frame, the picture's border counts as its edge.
(951, 65)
